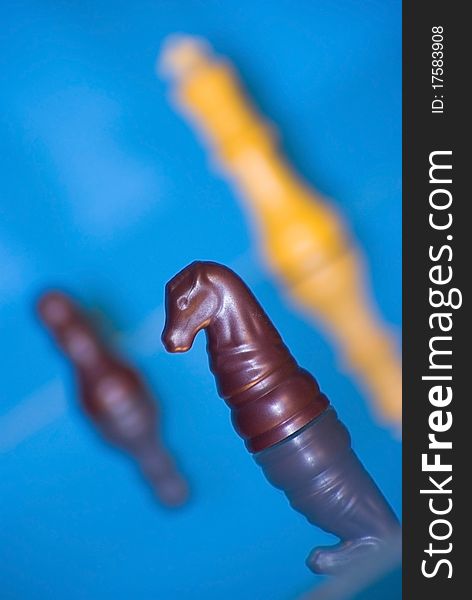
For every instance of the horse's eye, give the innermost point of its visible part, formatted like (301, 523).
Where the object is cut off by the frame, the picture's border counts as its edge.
(182, 302)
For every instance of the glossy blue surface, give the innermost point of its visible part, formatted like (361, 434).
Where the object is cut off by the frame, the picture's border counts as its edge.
(106, 191)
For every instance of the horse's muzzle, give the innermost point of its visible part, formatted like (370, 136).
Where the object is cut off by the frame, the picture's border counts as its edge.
(172, 343)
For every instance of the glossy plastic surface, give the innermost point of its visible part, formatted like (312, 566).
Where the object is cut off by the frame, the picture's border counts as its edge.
(274, 408)
(270, 396)
(325, 481)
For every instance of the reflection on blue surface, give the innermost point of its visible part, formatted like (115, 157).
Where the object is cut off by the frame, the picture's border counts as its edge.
(105, 191)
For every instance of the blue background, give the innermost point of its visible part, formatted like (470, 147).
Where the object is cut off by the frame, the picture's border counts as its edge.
(104, 190)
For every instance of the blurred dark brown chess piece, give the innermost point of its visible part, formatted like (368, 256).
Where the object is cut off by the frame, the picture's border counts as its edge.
(113, 395)
(280, 412)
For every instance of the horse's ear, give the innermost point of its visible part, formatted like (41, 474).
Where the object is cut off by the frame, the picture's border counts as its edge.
(198, 271)
(186, 273)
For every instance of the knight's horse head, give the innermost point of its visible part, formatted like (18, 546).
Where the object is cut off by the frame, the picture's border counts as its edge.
(191, 300)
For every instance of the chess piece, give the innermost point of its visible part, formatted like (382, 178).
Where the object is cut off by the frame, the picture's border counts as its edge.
(112, 395)
(279, 411)
(301, 236)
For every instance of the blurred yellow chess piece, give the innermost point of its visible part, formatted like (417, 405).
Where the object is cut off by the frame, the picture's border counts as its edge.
(303, 239)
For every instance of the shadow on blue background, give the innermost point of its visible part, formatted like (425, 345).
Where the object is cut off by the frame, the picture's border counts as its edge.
(106, 191)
